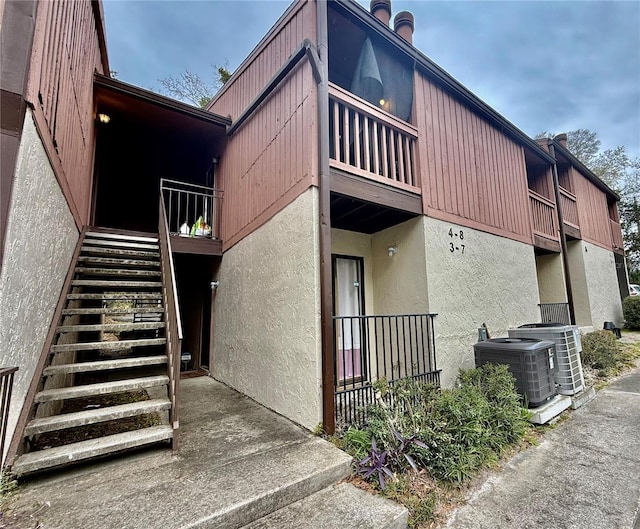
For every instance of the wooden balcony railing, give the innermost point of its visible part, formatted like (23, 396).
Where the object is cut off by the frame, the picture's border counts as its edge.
(543, 215)
(569, 208)
(616, 235)
(369, 142)
(368, 348)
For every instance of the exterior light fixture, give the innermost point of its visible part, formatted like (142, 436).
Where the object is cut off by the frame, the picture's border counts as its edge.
(392, 250)
(104, 118)
(382, 102)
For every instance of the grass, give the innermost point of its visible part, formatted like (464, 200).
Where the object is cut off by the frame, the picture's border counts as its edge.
(7, 486)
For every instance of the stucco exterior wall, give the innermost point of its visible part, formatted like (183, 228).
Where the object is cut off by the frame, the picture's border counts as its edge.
(41, 237)
(579, 287)
(602, 283)
(400, 280)
(492, 280)
(267, 314)
(551, 283)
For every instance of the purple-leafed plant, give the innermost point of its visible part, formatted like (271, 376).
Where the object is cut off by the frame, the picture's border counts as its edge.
(375, 465)
(402, 449)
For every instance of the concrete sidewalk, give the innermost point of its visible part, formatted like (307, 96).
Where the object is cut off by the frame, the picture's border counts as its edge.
(584, 475)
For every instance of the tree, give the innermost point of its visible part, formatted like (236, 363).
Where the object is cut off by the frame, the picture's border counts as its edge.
(191, 88)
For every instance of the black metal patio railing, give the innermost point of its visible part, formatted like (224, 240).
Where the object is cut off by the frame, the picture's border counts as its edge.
(555, 313)
(192, 210)
(368, 348)
(6, 386)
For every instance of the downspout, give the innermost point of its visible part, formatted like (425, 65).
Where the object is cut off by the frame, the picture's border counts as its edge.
(563, 237)
(326, 306)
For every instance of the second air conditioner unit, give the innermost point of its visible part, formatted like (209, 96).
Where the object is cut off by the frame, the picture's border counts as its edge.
(569, 377)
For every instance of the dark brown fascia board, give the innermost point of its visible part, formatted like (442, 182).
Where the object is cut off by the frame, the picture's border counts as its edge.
(114, 85)
(98, 15)
(304, 49)
(443, 78)
(583, 169)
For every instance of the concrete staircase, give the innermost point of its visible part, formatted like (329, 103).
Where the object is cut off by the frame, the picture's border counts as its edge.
(106, 370)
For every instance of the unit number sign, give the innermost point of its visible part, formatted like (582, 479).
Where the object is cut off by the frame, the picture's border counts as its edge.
(456, 244)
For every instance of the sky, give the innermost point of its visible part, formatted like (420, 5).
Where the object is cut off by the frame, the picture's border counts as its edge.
(544, 65)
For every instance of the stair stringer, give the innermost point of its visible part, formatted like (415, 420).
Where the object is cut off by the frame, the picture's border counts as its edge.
(17, 445)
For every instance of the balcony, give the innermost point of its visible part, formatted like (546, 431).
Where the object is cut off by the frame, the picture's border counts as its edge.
(193, 217)
(544, 222)
(368, 348)
(570, 213)
(616, 235)
(371, 143)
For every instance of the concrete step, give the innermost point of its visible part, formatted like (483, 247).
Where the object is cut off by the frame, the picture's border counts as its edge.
(343, 506)
(62, 455)
(115, 296)
(105, 365)
(118, 252)
(92, 416)
(120, 237)
(113, 311)
(116, 272)
(102, 388)
(270, 481)
(111, 327)
(119, 244)
(115, 283)
(122, 262)
(120, 344)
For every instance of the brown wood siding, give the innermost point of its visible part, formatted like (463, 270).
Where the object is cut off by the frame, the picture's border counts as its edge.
(66, 52)
(543, 185)
(471, 173)
(593, 211)
(272, 158)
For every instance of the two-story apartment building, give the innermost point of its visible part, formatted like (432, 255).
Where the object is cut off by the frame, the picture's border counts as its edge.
(362, 215)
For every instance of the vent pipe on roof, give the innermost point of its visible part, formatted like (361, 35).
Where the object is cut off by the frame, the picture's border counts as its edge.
(403, 25)
(381, 9)
(561, 139)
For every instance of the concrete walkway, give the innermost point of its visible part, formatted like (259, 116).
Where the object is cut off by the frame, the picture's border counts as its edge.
(237, 463)
(584, 475)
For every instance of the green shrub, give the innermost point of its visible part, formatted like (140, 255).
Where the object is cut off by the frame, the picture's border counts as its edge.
(631, 312)
(457, 430)
(601, 351)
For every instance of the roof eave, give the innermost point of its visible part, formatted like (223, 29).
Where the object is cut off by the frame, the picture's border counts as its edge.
(160, 100)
